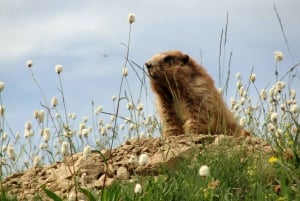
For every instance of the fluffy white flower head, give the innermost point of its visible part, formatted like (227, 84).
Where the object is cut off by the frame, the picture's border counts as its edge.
(29, 63)
(2, 86)
(294, 108)
(131, 18)
(263, 94)
(46, 134)
(274, 116)
(2, 110)
(143, 159)
(54, 101)
(252, 77)
(86, 152)
(138, 188)
(125, 72)
(65, 148)
(58, 68)
(278, 56)
(204, 171)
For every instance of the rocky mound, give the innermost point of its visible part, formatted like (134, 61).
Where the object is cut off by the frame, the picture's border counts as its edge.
(137, 157)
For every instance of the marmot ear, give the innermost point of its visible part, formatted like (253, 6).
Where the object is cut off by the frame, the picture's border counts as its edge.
(168, 59)
(185, 59)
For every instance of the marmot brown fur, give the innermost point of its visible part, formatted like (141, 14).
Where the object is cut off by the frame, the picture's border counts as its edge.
(187, 100)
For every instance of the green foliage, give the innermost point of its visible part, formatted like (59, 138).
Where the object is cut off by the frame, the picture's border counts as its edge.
(51, 194)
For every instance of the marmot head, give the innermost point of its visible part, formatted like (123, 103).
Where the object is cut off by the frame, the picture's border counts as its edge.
(167, 64)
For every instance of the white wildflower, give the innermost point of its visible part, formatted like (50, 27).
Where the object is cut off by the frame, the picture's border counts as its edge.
(36, 114)
(263, 94)
(85, 119)
(140, 107)
(125, 72)
(28, 125)
(132, 127)
(28, 133)
(294, 109)
(82, 126)
(97, 141)
(100, 122)
(46, 134)
(239, 84)
(2, 110)
(131, 18)
(86, 152)
(238, 76)
(43, 146)
(37, 161)
(243, 121)
(279, 86)
(271, 127)
(109, 126)
(138, 188)
(72, 116)
(29, 63)
(54, 101)
(72, 196)
(85, 132)
(2, 86)
(10, 152)
(41, 116)
(103, 131)
(113, 117)
(65, 148)
(4, 136)
(18, 135)
(4, 148)
(294, 130)
(58, 68)
(274, 116)
(98, 110)
(243, 100)
(278, 56)
(204, 171)
(252, 77)
(130, 106)
(293, 94)
(57, 115)
(143, 159)
(114, 98)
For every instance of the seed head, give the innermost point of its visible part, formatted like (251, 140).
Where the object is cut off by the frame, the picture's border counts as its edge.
(204, 171)
(125, 72)
(131, 18)
(58, 68)
(252, 77)
(138, 188)
(2, 110)
(143, 159)
(86, 152)
(278, 56)
(2, 86)
(29, 63)
(54, 101)
(65, 148)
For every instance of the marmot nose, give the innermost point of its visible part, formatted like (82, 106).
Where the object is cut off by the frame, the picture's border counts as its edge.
(148, 65)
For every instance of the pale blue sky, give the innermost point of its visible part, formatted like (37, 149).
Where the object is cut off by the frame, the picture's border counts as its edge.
(76, 34)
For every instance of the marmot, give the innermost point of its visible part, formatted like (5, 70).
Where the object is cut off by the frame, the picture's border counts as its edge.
(187, 100)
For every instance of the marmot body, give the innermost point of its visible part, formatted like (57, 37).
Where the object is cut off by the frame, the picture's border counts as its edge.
(187, 100)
